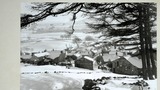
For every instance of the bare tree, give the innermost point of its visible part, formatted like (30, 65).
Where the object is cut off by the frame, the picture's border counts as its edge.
(76, 40)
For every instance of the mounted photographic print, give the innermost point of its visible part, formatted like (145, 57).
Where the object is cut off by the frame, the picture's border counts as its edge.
(88, 46)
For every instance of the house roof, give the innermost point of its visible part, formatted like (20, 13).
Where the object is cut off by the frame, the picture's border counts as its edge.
(134, 61)
(26, 56)
(77, 54)
(111, 57)
(71, 53)
(94, 50)
(54, 54)
(84, 53)
(131, 47)
(89, 58)
(41, 54)
(81, 53)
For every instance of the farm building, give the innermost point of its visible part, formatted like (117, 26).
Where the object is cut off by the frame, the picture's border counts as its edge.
(53, 57)
(99, 59)
(85, 62)
(25, 58)
(39, 57)
(77, 54)
(127, 65)
(72, 55)
(26, 53)
(53, 54)
(84, 53)
(56, 57)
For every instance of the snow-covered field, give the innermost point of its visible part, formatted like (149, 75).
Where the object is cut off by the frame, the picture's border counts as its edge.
(49, 41)
(50, 77)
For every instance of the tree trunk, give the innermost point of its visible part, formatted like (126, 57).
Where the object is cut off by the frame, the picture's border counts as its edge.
(142, 50)
(154, 68)
(147, 52)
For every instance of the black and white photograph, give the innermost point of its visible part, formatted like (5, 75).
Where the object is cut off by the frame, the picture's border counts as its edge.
(88, 46)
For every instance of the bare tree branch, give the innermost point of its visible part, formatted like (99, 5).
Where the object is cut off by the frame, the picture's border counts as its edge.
(27, 19)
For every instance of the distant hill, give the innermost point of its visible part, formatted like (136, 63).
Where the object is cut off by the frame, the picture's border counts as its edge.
(40, 27)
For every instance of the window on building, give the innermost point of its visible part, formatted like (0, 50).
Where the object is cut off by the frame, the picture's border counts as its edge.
(117, 64)
(129, 67)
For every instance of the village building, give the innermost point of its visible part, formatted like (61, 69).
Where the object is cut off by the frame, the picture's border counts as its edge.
(39, 58)
(127, 65)
(26, 53)
(99, 59)
(53, 54)
(84, 53)
(85, 62)
(25, 58)
(57, 57)
(62, 57)
(72, 55)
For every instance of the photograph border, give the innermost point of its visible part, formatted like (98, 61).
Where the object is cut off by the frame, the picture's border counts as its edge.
(10, 39)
